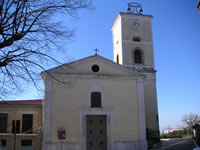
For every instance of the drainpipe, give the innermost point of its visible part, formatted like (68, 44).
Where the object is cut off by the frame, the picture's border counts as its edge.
(14, 134)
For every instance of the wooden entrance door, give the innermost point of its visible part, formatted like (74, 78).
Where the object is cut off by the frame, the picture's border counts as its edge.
(96, 132)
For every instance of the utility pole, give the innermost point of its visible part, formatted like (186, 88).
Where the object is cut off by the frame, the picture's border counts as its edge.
(14, 134)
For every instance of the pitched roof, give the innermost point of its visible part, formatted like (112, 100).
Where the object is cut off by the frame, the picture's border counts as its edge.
(100, 58)
(23, 102)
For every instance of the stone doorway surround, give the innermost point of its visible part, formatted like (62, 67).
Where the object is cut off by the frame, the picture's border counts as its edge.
(84, 112)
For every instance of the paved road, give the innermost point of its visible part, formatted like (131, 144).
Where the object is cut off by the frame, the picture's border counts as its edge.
(177, 144)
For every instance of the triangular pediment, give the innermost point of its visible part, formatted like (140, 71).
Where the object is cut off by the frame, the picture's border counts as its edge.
(84, 67)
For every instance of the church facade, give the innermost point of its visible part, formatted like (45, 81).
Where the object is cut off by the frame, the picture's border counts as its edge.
(103, 104)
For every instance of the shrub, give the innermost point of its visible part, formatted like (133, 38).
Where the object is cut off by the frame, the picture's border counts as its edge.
(168, 136)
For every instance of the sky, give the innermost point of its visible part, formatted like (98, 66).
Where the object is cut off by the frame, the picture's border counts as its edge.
(176, 40)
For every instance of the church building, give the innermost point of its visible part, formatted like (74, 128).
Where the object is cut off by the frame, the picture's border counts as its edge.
(99, 104)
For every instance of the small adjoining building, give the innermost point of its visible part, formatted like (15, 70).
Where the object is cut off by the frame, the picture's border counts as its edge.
(174, 131)
(21, 124)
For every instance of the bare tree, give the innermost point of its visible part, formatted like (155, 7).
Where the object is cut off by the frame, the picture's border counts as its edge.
(30, 31)
(190, 120)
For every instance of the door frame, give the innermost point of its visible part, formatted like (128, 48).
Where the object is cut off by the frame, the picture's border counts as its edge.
(109, 125)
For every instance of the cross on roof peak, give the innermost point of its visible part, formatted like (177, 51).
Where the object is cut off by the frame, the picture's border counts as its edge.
(96, 50)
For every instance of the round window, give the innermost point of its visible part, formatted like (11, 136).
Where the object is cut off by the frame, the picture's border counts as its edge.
(95, 68)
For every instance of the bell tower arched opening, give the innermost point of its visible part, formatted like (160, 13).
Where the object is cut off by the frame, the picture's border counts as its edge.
(137, 57)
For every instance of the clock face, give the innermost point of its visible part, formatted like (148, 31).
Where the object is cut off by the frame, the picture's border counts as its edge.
(136, 23)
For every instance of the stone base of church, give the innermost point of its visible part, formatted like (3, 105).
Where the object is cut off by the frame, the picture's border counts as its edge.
(135, 145)
(61, 146)
(132, 145)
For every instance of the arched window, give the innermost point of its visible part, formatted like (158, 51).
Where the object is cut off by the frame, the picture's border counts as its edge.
(136, 39)
(137, 56)
(117, 58)
(96, 99)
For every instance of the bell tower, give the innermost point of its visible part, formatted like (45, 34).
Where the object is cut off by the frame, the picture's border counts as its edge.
(133, 48)
(132, 39)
